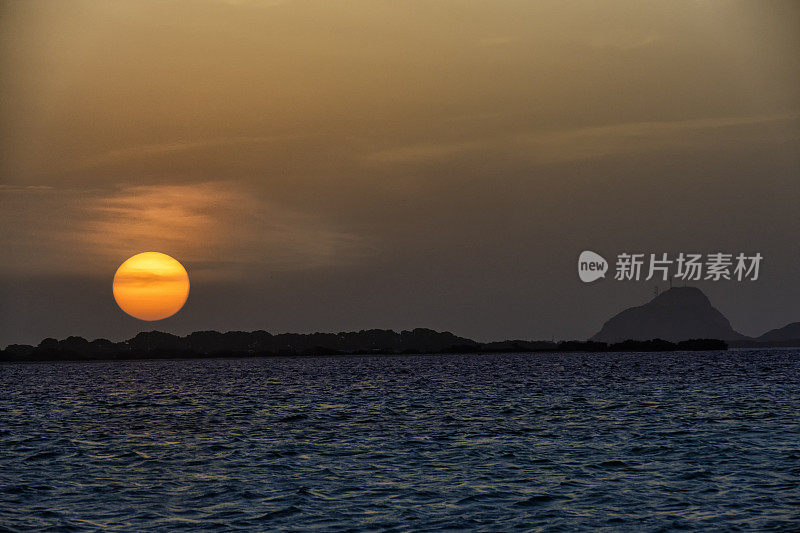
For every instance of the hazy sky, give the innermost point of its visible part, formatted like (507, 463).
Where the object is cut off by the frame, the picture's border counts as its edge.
(327, 166)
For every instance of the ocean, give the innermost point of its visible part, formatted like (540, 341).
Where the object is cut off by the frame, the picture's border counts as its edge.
(529, 442)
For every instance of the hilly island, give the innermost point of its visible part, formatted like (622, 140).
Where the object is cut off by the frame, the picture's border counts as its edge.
(680, 318)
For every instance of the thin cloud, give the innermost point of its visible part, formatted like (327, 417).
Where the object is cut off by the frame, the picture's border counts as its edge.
(637, 137)
(162, 149)
(573, 144)
(423, 152)
(216, 221)
(26, 188)
(223, 229)
(146, 278)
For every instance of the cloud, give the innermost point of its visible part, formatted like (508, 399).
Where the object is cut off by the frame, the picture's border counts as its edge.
(424, 152)
(640, 137)
(26, 188)
(216, 220)
(590, 142)
(217, 228)
(146, 278)
(145, 151)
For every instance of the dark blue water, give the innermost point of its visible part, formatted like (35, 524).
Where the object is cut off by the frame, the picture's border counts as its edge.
(573, 442)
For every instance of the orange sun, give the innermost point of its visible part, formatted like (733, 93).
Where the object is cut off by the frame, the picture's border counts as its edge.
(151, 286)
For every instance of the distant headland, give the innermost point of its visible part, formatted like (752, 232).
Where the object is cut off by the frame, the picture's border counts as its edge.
(686, 313)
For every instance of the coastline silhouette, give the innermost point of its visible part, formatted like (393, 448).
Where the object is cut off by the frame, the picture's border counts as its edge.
(681, 318)
(160, 345)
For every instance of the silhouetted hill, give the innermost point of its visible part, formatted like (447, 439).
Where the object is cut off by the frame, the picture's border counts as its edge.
(159, 345)
(790, 332)
(788, 335)
(676, 314)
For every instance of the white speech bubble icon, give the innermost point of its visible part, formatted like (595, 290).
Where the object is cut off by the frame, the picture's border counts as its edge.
(591, 266)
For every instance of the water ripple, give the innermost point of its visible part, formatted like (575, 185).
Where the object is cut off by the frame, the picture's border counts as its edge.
(561, 442)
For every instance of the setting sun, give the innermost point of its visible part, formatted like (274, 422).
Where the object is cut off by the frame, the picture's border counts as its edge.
(151, 286)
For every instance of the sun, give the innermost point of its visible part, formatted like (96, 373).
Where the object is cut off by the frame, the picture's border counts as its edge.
(151, 286)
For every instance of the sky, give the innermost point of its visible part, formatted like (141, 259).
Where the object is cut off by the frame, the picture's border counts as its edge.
(337, 166)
